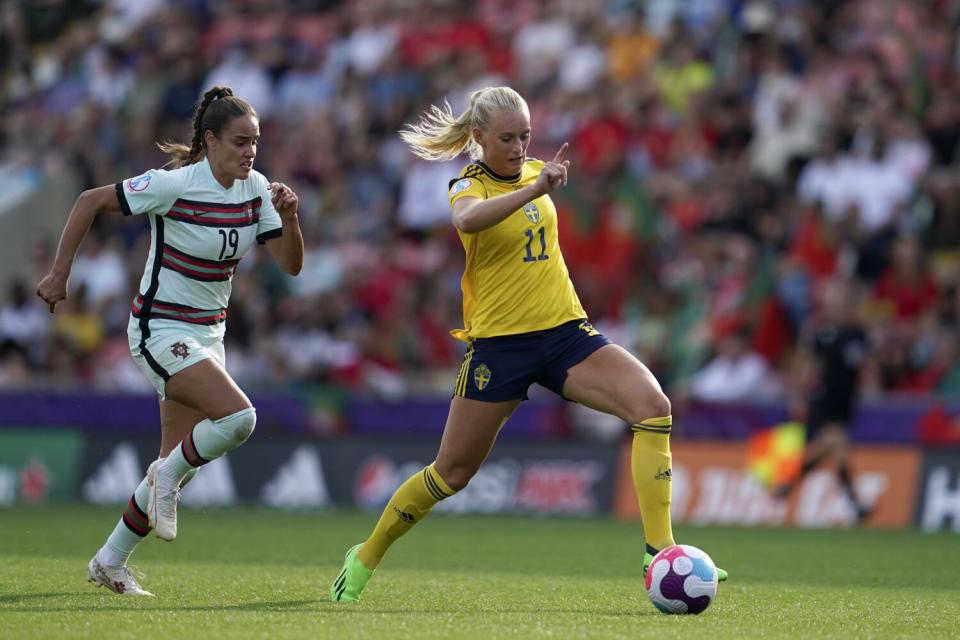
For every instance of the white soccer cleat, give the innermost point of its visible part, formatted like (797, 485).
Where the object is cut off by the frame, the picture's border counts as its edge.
(120, 580)
(163, 496)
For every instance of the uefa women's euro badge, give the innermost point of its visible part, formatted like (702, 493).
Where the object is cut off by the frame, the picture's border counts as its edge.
(460, 185)
(139, 183)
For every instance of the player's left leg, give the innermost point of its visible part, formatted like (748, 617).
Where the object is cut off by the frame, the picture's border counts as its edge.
(109, 566)
(613, 381)
(229, 420)
(837, 443)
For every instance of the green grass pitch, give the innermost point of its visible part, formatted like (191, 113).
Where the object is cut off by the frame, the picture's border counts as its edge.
(251, 573)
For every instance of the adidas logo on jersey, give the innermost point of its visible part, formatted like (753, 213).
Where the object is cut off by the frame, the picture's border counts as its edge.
(116, 477)
(299, 483)
(213, 486)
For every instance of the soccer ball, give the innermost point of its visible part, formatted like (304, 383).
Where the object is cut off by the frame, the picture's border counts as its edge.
(681, 579)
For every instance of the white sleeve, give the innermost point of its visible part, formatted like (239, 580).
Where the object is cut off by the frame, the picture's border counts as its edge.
(152, 192)
(269, 225)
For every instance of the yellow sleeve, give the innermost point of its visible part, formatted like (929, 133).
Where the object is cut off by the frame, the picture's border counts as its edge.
(463, 187)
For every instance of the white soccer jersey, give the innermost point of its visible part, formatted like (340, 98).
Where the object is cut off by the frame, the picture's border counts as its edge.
(200, 230)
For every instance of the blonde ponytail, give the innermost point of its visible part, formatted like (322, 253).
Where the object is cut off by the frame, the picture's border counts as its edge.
(443, 136)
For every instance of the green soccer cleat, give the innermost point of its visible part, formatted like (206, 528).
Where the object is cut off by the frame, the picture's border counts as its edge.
(352, 580)
(648, 558)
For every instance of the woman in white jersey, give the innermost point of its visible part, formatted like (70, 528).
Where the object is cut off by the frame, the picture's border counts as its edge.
(205, 214)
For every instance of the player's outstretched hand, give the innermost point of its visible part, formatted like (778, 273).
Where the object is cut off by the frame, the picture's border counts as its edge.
(554, 173)
(284, 199)
(52, 289)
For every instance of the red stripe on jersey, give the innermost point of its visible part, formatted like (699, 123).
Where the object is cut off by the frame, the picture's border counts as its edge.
(200, 262)
(209, 207)
(197, 275)
(173, 311)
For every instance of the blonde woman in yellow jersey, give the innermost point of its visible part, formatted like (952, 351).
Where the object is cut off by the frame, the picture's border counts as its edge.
(523, 323)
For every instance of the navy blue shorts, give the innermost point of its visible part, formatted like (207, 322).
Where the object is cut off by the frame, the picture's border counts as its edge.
(503, 368)
(829, 408)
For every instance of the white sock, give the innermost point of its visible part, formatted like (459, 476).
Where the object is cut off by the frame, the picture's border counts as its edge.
(130, 530)
(209, 440)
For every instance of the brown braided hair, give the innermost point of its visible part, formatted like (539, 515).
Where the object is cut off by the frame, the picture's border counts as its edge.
(217, 108)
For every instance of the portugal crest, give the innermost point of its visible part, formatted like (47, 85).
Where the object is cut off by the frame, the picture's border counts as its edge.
(532, 213)
(481, 376)
(180, 350)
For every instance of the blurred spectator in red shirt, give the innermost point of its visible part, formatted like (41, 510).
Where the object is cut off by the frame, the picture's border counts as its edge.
(907, 286)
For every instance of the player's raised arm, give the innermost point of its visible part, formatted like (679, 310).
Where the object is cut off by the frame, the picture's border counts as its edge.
(471, 215)
(53, 287)
(287, 249)
(474, 214)
(554, 173)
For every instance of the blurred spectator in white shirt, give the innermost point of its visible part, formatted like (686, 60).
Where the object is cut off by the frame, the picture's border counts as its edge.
(823, 179)
(241, 72)
(787, 119)
(100, 268)
(423, 193)
(735, 373)
(372, 40)
(25, 321)
(540, 45)
(309, 84)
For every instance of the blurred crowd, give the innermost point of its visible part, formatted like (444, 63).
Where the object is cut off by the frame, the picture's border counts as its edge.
(730, 160)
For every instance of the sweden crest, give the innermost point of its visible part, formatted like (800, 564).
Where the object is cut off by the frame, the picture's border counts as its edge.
(532, 212)
(481, 376)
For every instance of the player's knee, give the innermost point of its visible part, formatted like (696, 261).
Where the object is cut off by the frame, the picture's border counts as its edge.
(457, 476)
(237, 426)
(656, 406)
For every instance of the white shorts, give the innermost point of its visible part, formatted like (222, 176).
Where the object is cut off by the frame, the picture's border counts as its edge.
(170, 348)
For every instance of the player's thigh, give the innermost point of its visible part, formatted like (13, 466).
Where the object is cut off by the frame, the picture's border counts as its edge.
(176, 422)
(471, 429)
(207, 388)
(613, 381)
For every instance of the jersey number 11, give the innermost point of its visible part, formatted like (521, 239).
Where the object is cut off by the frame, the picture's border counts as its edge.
(529, 257)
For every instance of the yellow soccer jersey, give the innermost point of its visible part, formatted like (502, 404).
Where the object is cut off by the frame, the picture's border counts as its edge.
(515, 279)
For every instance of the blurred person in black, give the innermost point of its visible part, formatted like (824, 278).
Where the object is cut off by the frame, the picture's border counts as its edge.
(832, 359)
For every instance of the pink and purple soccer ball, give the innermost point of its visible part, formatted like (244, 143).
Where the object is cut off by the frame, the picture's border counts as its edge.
(681, 579)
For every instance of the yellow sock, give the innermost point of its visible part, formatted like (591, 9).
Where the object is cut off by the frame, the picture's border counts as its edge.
(652, 478)
(410, 504)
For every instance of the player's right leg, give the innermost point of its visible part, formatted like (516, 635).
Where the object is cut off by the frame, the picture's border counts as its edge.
(468, 436)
